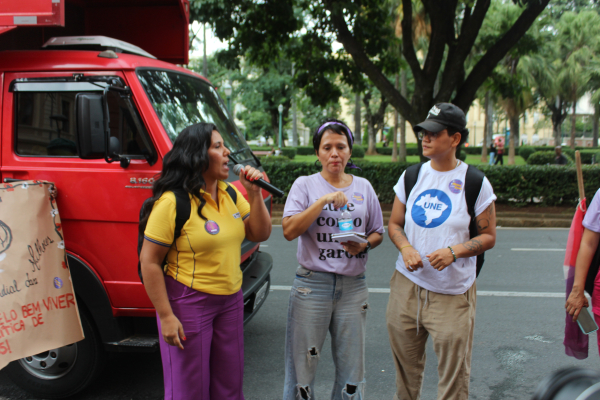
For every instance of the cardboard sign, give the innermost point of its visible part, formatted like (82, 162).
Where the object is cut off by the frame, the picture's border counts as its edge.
(38, 311)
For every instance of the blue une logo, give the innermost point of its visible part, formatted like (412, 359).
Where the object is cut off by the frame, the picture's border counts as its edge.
(431, 209)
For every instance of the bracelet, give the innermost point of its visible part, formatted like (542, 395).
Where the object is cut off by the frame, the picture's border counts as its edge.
(403, 247)
(453, 253)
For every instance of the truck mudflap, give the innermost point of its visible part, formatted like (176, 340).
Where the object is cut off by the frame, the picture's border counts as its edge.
(256, 283)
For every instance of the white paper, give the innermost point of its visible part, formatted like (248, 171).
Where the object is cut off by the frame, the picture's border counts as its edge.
(350, 237)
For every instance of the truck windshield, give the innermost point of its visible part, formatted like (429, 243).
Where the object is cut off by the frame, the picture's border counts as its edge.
(181, 100)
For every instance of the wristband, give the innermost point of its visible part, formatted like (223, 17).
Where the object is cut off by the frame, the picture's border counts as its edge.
(403, 247)
(453, 253)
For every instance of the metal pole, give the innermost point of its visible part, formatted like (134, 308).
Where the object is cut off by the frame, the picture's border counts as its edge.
(229, 104)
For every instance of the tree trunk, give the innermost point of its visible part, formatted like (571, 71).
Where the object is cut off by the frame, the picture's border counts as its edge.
(395, 134)
(372, 133)
(514, 134)
(204, 62)
(557, 119)
(369, 119)
(357, 106)
(486, 128)
(595, 128)
(402, 150)
(294, 117)
(573, 121)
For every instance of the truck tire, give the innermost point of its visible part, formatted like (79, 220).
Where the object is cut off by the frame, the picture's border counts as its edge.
(64, 371)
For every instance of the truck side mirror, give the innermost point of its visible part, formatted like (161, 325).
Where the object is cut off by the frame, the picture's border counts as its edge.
(92, 138)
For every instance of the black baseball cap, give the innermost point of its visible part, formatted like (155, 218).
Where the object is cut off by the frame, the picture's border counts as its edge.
(442, 116)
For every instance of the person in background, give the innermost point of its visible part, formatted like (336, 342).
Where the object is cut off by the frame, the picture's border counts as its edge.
(500, 153)
(589, 244)
(560, 158)
(198, 301)
(432, 290)
(492, 153)
(330, 289)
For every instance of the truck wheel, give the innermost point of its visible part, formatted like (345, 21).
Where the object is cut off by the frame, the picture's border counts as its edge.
(64, 371)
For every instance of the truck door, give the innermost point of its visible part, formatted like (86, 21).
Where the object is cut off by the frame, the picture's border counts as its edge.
(99, 201)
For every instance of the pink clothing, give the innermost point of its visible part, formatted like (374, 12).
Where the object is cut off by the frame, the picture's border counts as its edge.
(576, 343)
(591, 221)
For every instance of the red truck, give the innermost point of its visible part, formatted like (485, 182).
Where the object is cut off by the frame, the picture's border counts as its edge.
(96, 116)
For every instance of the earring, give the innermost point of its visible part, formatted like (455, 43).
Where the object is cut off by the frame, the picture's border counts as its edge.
(350, 162)
(318, 165)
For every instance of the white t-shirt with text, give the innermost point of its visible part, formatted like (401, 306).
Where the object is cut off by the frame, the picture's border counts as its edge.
(437, 217)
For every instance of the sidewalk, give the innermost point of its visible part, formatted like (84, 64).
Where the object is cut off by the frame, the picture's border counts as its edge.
(506, 216)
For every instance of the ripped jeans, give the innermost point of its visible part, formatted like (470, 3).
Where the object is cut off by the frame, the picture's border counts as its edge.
(321, 302)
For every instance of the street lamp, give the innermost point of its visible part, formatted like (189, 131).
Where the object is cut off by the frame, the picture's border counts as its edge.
(280, 109)
(227, 89)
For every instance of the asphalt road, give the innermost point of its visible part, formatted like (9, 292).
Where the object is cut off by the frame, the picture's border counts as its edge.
(518, 333)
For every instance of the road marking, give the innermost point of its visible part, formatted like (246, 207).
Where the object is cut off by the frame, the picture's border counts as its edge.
(517, 249)
(479, 292)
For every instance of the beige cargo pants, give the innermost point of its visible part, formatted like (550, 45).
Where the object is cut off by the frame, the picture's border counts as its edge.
(413, 314)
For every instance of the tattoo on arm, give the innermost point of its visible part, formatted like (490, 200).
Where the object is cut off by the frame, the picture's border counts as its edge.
(474, 246)
(483, 221)
(398, 234)
(482, 225)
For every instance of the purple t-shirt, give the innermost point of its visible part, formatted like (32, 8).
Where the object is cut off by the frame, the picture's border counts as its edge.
(317, 251)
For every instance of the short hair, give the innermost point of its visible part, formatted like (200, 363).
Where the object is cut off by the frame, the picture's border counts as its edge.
(464, 134)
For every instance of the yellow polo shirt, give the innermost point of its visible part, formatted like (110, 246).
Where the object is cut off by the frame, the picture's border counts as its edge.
(207, 255)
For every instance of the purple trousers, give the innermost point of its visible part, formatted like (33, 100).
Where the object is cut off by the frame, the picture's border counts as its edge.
(211, 365)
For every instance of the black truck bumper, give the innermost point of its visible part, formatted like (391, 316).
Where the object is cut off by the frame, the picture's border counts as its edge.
(256, 283)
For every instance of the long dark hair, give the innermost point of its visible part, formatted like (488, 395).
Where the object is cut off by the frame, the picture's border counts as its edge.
(183, 166)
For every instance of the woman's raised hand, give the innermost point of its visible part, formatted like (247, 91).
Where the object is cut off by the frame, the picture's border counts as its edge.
(248, 175)
(338, 199)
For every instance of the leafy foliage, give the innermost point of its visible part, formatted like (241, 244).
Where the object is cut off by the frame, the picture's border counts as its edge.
(541, 158)
(358, 152)
(376, 35)
(519, 185)
(289, 152)
(526, 151)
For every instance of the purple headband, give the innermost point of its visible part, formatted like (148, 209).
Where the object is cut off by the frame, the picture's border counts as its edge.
(341, 124)
(350, 164)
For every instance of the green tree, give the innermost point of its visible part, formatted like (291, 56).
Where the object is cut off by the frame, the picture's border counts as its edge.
(306, 30)
(578, 36)
(508, 81)
(564, 66)
(375, 109)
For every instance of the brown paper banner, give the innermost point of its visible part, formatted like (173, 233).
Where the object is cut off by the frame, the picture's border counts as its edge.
(38, 311)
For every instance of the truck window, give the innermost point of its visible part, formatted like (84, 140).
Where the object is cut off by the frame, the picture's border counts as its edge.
(46, 125)
(181, 100)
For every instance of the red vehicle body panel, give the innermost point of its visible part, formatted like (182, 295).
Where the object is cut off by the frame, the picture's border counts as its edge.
(32, 12)
(160, 26)
(96, 199)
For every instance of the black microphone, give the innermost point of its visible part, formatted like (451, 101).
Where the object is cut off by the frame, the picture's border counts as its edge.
(261, 183)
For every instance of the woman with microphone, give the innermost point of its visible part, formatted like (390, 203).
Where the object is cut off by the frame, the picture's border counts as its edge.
(330, 290)
(198, 301)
